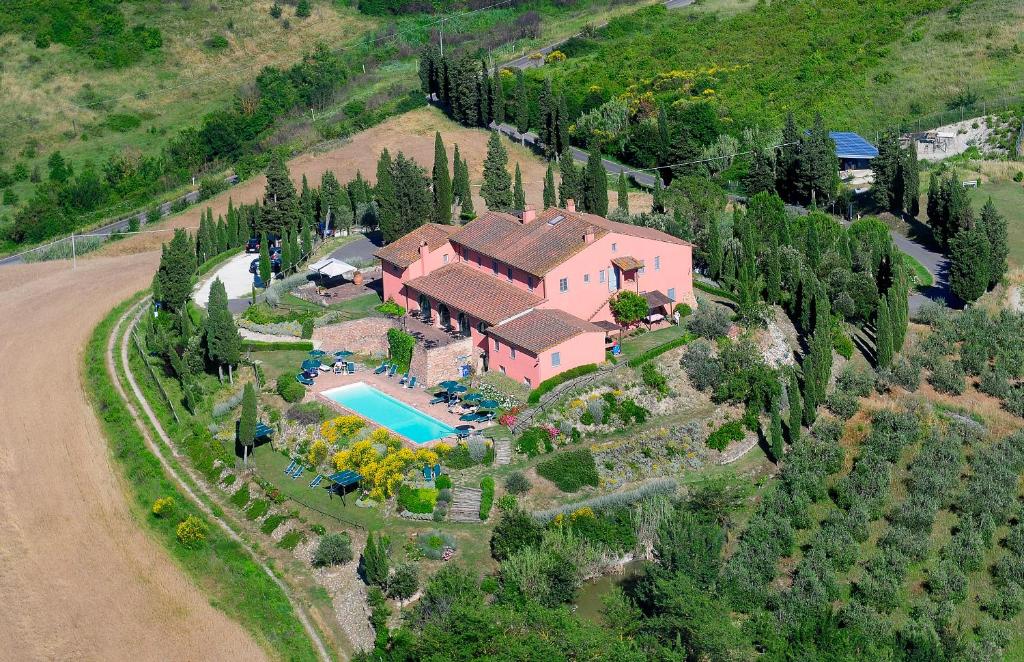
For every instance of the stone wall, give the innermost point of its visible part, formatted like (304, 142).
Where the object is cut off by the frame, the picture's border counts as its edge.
(368, 335)
(431, 366)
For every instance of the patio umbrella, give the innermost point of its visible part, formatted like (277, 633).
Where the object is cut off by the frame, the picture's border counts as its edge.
(465, 427)
(448, 384)
(310, 364)
(316, 353)
(473, 396)
(489, 404)
(343, 354)
(458, 388)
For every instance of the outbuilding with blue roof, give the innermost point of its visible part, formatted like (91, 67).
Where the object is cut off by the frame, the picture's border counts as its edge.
(853, 151)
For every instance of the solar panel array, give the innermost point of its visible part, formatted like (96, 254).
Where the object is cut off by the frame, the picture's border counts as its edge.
(851, 145)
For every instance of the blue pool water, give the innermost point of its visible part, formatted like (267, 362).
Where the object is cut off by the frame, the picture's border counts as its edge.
(388, 412)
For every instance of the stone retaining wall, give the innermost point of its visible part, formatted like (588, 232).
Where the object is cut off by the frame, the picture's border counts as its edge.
(431, 366)
(368, 335)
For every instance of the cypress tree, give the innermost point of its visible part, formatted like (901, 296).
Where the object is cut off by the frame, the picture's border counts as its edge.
(812, 246)
(358, 190)
(657, 204)
(896, 300)
(911, 171)
(683, 228)
(307, 202)
(207, 236)
(959, 214)
(886, 168)
(334, 200)
(622, 194)
(177, 267)
(458, 193)
(760, 177)
(773, 273)
(412, 195)
(496, 190)
(796, 410)
(485, 111)
(999, 249)
(466, 209)
(789, 157)
(664, 136)
(595, 192)
(817, 165)
(387, 202)
(568, 187)
(970, 259)
(498, 98)
(465, 91)
(521, 104)
(247, 423)
(883, 334)
(775, 435)
(264, 263)
(280, 203)
(442, 183)
(518, 193)
(375, 561)
(715, 257)
(549, 187)
(932, 206)
(287, 258)
(297, 255)
(307, 239)
(233, 232)
(562, 121)
(223, 344)
(548, 118)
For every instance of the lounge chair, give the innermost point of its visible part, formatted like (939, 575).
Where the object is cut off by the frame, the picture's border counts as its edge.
(403, 380)
(437, 471)
(351, 368)
(381, 369)
(298, 472)
(437, 399)
(339, 369)
(316, 481)
(392, 370)
(291, 467)
(471, 418)
(485, 418)
(412, 383)
(426, 473)
(304, 380)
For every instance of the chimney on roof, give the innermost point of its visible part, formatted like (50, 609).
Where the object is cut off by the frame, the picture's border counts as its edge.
(529, 215)
(588, 235)
(424, 250)
(570, 205)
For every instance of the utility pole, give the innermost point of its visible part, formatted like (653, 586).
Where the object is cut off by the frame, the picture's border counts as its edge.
(441, 35)
(74, 253)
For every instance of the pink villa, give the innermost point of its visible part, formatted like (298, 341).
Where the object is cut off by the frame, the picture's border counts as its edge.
(532, 290)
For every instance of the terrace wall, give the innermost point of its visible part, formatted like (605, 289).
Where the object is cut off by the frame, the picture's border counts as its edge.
(431, 366)
(368, 335)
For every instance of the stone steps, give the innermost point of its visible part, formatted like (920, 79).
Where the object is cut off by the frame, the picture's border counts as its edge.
(502, 452)
(465, 505)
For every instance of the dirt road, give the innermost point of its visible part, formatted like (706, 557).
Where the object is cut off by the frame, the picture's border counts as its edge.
(80, 577)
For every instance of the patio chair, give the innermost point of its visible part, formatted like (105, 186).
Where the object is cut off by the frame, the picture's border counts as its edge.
(316, 481)
(291, 467)
(304, 380)
(298, 472)
(403, 380)
(437, 399)
(412, 383)
(381, 369)
(486, 418)
(426, 473)
(339, 369)
(351, 368)
(437, 471)
(392, 370)
(470, 418)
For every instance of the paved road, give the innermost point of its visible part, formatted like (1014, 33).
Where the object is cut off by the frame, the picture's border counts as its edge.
(121, 224)
(526, 62)
(361, 249)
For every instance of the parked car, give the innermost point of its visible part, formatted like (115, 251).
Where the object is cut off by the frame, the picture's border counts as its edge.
(253, 245)
(258, 282)
(254, 266)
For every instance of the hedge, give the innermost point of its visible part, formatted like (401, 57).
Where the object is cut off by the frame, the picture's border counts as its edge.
(711, 289)
(640, 359)
(277, 345)
(486, 496)
(725, 435)
(548, 384)
(570, 471)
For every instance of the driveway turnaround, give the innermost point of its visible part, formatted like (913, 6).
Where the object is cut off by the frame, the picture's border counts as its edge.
(235, 276)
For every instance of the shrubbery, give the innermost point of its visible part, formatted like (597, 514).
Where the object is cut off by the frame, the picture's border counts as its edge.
(947, 377)
(570, 470)
(548, 384)
(289, 389)
(517, 483)
(191, 532)
(702, 367)
(710, 320)
(417, 500)
(725, 435)
(486, 496)
(653, 378)
(333, 549)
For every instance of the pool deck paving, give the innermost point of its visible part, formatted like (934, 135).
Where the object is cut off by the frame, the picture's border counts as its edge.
(417, 397)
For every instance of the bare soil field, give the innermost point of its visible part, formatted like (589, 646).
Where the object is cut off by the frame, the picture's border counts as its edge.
(80, 578)
(412, 134)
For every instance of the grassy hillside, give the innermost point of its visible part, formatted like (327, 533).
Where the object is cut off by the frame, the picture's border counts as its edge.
(864, 65)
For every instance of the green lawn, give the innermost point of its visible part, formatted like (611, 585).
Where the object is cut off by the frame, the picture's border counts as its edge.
(636, 345)
(1008, 197)
(921, 274)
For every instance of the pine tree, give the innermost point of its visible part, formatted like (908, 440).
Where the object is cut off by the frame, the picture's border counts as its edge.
(248, 420)
(569, 186)
(910, 170)
(760, 178)
(970, 259)
(886, 168)
(595, 192)
(264, 263)
(622, 194)
(549, 188)
(715, 256)
(999, 250)
(485, 111)
(521, 104)
(223, 344)
(789, 158)
(302, 9)
(375, 560)
(883, 334)
(934, 205)
(442, 183)
(778, 445)
(796, 410)
(280, 201)
(413, 203)
(657, 204)
(496, 190)
(385, 193)
(518, 193)
(177, 267)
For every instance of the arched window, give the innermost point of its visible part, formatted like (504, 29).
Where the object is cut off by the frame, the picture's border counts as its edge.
(445, 316)
(464, 327)
(482, 328)
(424, 306)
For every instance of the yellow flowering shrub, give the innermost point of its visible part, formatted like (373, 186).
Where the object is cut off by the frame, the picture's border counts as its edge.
(576, 403)
(555, 56)
(317, 452)
(382, 474)
(585, 511)
(191, 531)
(340, 426)
(163, 505)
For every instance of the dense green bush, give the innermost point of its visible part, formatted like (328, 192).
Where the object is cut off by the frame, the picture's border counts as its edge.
(486, 496)
(702, 367)
(725, 435)
(400, 346)
(279, 345)
(417, 500)
(289, 389)
(570, 470)
(533, 441)
(710, 320)
(653, 378)
(947, 377)
(333, 549)
(444, 481)
(517, 483)
(548, 384)
(642, 359)
(842, 403)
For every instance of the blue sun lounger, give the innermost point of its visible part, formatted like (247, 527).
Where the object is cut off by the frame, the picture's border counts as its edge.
(438, 399)
(298, 472)
(412, 383)
(316, 481)
(426, 473)
(404, 379)
(291, 467)
(392, 370)
(381, 369)
(351, 368)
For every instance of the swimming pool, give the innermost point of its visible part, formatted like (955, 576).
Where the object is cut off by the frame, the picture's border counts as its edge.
(388, 412)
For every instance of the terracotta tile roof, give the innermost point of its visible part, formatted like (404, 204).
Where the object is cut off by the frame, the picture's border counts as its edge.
(406, 250)
(542, 329)
(656, 298)
(480, 295)
(550, 239)
(627, 263)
